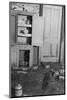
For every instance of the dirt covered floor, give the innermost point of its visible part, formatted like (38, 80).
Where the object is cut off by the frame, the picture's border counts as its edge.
(37, 82)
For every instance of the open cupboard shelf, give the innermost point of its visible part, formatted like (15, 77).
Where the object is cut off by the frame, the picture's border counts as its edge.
(25, 25)
(24, 35)
(24, 29)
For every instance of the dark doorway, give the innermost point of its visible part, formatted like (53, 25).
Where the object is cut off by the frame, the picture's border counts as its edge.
(24, 58)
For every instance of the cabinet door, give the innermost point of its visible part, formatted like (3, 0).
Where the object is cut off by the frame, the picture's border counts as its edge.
(52, 30)
(37, 31)
(12, 29)
(13, 57)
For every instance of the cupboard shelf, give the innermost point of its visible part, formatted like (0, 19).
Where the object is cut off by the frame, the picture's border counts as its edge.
(24, 29)
(24, 25)
(24, 35)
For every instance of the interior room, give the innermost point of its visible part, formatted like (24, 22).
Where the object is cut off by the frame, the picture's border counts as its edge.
(37, 49)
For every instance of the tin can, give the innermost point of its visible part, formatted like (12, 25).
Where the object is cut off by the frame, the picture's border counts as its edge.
(18, 90)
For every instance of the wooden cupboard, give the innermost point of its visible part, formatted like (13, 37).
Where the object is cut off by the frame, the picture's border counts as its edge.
(45, 35)
(19, 41)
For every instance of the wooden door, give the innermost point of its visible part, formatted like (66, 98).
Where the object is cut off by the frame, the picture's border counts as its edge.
(52, 30)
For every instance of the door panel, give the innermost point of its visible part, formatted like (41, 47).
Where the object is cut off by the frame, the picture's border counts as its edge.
(37, 31)
(54, 24)
(47, 15)
(54, 50)
(45, 51)
(56, 28)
